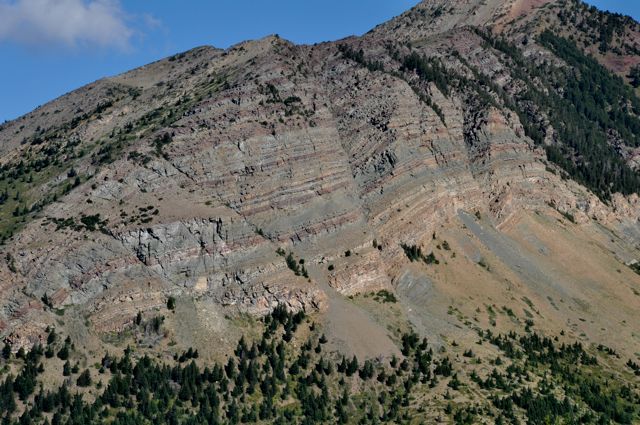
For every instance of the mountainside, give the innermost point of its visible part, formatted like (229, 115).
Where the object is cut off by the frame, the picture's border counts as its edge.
(467, 166)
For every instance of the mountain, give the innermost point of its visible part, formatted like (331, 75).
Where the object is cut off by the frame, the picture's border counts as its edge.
(467, 166)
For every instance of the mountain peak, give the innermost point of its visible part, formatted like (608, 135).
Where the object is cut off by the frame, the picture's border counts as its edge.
(432, 176)
(437, 16)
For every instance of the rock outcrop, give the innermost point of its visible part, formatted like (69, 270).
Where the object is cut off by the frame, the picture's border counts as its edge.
(198, 171)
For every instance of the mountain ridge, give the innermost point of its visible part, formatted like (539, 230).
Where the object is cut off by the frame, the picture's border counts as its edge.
(436, 221)
(318, 150)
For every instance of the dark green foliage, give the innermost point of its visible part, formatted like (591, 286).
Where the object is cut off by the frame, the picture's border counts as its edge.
(6, 351)
(187, 355)
(367, 370)
(414, 253)
(271, 380)
(568, 364)
(45, 300)
(429, 69)
(138, 158)
(585, 104)
(592, 90)
(92, 222)
(296, 266)
(594, 103)
(634, 76)
(51, 336)
(272, 92)
(385, 296)
(153, 325)
(601, 26)
(292, 263)
(281, 316)
(171, 303)
(11, 263)
(160, 142)
(84, 380)
(431, 259)
(63, 354)
(291, 100)
(89, 223)
(103, 106)
(59, 150)
(568, 216)
(359, 57)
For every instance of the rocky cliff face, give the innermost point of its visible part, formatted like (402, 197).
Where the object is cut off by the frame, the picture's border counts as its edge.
(195, 176)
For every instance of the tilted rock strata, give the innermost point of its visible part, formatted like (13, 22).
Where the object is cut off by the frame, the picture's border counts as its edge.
(281, 147)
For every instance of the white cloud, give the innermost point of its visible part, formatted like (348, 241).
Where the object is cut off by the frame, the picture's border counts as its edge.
(71, 23)
(151, 21)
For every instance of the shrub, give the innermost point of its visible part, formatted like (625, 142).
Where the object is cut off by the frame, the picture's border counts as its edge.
(171, 303)
(84, 380)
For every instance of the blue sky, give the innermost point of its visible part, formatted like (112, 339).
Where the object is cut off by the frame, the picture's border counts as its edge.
(49, 47)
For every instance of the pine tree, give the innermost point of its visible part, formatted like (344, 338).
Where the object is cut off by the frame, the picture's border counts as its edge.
(171, 303)
(634, 75)
(6, 351)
